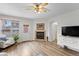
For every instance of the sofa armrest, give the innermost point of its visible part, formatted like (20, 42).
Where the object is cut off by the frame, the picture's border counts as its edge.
(7, 43)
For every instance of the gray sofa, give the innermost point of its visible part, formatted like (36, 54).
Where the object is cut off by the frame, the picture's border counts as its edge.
(6, 41)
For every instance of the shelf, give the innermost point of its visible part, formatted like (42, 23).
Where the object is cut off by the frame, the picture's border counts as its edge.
(12, 30)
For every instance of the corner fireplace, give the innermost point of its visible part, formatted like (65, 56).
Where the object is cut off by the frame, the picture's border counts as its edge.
(40, 35)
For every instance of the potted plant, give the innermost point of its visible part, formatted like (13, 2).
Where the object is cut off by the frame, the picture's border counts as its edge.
(16, 37)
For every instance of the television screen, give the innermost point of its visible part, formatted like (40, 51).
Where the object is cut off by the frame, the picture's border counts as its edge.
(70, 31)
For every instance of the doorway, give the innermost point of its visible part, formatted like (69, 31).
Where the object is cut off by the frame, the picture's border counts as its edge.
(54, 31)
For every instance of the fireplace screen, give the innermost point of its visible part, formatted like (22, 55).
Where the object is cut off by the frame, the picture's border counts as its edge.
(39, 35)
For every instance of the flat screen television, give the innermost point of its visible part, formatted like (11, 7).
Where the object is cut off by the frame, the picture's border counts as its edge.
(70, 31)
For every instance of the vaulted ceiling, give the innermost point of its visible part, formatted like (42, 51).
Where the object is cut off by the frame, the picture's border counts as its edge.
(20, 10)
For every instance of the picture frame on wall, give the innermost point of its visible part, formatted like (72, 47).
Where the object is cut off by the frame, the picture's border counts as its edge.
(40, 26)
(25, 28)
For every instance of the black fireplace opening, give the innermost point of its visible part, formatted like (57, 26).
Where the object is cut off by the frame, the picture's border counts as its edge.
(39, 35)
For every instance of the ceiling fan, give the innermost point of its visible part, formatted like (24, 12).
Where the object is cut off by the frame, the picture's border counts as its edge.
(38, 7)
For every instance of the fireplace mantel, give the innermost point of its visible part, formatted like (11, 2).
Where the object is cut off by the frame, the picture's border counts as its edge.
(40, 30)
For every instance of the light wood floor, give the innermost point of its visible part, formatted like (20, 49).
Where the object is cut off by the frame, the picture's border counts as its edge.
(39, 48)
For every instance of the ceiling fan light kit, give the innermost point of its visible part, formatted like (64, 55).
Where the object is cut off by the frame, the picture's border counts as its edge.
(40, 7)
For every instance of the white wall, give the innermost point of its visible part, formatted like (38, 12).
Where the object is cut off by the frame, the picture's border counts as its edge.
(68, 19)
(54, 31)
(32, 28)
(46, 26)
(30, 35)
(71, 18)
(0, 26)
(23, 21)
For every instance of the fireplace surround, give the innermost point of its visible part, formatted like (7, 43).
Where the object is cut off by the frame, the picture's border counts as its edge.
(40, 31)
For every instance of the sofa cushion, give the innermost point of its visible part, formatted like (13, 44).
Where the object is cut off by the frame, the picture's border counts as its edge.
(3, 39)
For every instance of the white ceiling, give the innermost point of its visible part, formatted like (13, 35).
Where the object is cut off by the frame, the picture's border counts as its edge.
(20, 10)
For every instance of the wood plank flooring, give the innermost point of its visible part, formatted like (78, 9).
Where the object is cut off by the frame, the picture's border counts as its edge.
(39, 48)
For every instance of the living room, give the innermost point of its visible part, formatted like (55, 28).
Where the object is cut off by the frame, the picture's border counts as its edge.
(38, 33)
